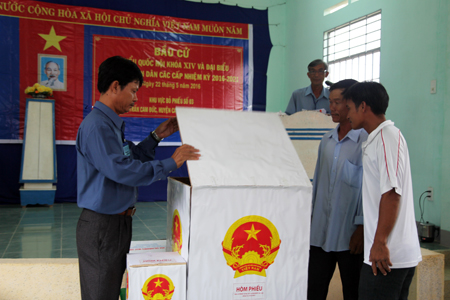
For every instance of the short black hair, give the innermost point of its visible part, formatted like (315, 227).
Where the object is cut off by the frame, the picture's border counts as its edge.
(317, 62)
(343, 84)
(372, 93)
(120, 69)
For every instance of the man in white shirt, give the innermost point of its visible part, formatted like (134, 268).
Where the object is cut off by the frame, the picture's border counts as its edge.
(391, 244)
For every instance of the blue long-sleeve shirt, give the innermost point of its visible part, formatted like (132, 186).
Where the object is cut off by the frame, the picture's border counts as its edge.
(304, 99)
(337, 197)
(107, 174)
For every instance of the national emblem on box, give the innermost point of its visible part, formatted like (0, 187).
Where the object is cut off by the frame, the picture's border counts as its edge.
(158, 287)
(251, 245)
(177, 233)
(156, 276)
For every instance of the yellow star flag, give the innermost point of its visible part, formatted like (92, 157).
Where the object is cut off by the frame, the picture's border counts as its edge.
(52, 39)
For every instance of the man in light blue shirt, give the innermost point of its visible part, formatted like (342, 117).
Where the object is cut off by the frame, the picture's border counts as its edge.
(315, 96)
(337, 219)
(109, 169)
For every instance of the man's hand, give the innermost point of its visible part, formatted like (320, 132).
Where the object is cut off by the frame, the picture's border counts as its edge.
(379, 253)
(379, 256)
(167, 128)
(185, 152)
(357, 241)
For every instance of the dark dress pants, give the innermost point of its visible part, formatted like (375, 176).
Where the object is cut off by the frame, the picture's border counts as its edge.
(321, 269)
(393, 286)
(103, 242)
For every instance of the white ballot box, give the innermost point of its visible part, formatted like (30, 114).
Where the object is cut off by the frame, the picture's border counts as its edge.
(152, 276)
(148, 246)
(242, 218)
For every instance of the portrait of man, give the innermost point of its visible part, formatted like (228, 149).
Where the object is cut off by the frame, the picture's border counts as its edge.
(52, 72)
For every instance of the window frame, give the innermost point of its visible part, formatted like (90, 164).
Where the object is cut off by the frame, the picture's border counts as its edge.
(375, 53)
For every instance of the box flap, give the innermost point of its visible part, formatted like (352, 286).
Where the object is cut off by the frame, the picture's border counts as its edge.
(154, 258)
(239, 149)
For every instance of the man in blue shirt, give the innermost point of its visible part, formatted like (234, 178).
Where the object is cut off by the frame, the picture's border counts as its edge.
(315, 96)
(109, 170)
(337, 219)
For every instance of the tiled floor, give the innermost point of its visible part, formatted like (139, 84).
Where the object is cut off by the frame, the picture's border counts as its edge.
(44, 232)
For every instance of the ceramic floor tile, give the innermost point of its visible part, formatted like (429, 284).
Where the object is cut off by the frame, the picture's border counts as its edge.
(29, 243)
(11, 213)
(69, 243)
(2, 249)
(144, 237)
(10, 219)
(33, 228)
(69, 233)
(137, 231)
(155, 223)
(7, 229)
(5, 238)
(162, 205)
(159, 232)
(153, 214)
(31, 234)
(66, 223)
(69, 253)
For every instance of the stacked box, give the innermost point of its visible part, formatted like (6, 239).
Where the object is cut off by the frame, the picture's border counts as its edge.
(160, 275)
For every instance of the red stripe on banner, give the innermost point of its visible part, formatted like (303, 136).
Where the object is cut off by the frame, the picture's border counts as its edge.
(109, 18)
(385, 159)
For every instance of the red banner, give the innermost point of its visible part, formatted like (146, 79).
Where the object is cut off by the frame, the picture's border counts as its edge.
(177, 74)
(184, 62)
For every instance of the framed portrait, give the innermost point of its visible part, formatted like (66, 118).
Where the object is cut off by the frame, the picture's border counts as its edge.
(52, 71)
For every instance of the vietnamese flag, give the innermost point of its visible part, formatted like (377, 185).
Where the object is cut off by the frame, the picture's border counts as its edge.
(60, 47)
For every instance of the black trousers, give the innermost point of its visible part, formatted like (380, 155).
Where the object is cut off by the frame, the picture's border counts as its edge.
(393, 286)
(321, 269)
(103, 242)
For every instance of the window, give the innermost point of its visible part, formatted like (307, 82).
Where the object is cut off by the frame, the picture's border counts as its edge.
(352, 50)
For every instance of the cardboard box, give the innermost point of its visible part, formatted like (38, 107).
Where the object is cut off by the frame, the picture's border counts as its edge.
(148, 246)
(242, 218)
(152, 276)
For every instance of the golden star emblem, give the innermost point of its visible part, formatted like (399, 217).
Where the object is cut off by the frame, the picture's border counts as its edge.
(52, 39)
(158, 283)
(252, 233)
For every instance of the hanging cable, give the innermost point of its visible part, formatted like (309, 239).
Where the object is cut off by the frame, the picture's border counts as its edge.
(422, 210)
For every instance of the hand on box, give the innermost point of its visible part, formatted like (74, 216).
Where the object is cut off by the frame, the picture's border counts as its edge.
(185, 152)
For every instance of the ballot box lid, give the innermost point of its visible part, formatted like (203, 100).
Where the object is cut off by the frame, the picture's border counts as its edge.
(154, 259)
(239, 149)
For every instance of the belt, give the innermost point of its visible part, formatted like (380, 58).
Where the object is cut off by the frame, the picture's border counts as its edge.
(129, 212)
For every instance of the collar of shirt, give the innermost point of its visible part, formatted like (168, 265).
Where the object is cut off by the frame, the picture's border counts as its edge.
(352, 134)
(118, 122)
(325, 92)
(374, 133)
